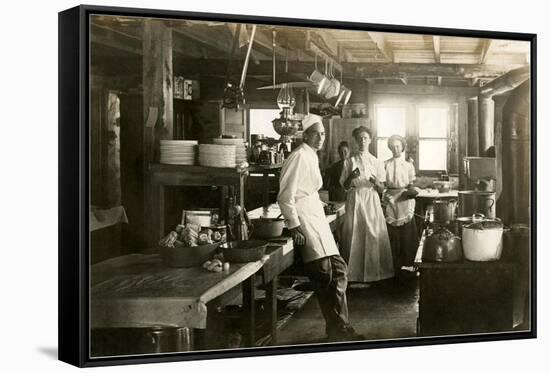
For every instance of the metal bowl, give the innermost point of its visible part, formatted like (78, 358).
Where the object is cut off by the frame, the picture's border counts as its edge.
(285, 127)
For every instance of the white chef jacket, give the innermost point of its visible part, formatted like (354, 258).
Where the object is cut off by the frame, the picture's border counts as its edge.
(299, 202)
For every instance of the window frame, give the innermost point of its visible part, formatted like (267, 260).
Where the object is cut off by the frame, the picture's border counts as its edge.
(412, 128)
(418, 138)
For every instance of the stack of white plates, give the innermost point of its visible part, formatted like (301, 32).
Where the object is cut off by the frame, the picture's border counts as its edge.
(178, 152)
(240, 154)
(215, 155)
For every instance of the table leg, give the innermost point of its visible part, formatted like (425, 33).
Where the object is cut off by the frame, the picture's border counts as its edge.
(249, 304)
(265, 193)
(271, 295)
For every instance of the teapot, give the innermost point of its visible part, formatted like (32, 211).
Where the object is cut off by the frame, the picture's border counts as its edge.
(442, 246)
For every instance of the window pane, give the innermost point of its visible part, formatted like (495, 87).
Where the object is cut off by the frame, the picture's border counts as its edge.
(260, 122)
(384, 152)
(432, 155)
(433, 122)
(390, 121)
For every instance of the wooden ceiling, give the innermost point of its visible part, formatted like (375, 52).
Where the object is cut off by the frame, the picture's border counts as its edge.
(374, 56)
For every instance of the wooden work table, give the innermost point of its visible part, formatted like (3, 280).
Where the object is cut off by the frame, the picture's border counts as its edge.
(139, 291)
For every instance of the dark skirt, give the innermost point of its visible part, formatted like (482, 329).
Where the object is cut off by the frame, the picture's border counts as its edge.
(404, 244)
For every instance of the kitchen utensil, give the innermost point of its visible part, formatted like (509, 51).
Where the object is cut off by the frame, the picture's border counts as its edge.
(442, 246)
(442, 186)
(462, 221)
(444, 210)
(182, 256)
(267, 227)
(243, 251)
(482, 241)
(475, 202)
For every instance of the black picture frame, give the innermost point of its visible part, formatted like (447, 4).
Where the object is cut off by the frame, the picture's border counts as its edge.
(74, 186)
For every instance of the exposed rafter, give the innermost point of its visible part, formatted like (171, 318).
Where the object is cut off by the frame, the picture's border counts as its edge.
(437, 51)
(486, 49)
(380, 70)
(382, 45)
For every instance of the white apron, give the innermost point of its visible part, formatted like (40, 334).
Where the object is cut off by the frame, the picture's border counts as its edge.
(365, 241)
(313, 222)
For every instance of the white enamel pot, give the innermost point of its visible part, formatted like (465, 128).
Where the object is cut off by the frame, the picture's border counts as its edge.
(482, 241)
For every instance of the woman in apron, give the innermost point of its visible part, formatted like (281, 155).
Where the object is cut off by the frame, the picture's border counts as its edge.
(365, 242)
(399, 205)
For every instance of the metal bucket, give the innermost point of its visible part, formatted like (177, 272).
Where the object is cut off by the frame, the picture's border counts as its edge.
(472, 202)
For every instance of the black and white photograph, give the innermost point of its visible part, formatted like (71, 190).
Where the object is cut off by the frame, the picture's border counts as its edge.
(261, 185)
(289, 188)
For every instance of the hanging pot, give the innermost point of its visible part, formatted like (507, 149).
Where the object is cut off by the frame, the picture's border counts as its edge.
(442, 246)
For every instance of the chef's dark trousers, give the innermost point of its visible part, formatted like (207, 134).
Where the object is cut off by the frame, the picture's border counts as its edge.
(330, 280)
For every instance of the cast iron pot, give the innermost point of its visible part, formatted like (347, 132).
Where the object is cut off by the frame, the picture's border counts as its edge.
(442, 246)
(267, 227)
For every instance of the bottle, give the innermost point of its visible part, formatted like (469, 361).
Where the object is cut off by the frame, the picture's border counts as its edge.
(230, 219)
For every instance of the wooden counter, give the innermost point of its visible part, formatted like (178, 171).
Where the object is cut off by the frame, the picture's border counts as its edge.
(465, 297)
(273, 211)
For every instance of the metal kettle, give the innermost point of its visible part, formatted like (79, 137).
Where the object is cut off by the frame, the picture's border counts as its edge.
(442, 246)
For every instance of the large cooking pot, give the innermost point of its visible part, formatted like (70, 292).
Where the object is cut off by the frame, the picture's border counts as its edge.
(482, 241)
(444, 210)
(462, 221)
(442, 246)
(267, 227)
(475, 202)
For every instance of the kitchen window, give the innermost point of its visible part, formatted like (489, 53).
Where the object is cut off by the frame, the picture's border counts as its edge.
(391, 120)
(433, 138)
(260, 122)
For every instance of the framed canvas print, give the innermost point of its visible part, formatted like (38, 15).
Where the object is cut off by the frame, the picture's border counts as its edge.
(234, 186)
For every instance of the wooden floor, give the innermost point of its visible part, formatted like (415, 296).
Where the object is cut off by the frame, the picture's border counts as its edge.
(386, 310)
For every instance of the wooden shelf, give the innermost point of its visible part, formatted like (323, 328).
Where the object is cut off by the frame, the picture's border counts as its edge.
(165, 175)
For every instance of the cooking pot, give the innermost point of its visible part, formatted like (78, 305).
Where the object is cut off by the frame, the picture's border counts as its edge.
(482, 240)
(475, 202)
(267, 227)
(442, 246)
(462, 221)
(444, 210)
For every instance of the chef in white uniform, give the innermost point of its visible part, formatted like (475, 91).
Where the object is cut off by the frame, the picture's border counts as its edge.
(299, 202)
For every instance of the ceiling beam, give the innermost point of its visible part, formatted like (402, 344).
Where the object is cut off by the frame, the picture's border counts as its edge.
(382, 45)
(486, 50)
(326, 40)
(109, 37)
(437, 51)
(384, 70)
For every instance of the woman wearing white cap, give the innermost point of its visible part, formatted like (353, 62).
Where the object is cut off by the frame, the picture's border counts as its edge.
(299, 201)
(365, 242)
(400, 203)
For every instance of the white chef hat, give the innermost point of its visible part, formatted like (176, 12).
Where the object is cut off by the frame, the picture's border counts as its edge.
(309, 120)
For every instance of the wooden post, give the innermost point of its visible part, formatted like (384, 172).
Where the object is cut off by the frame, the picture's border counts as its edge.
(473, 131)
(249, 305)
(158, 112)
